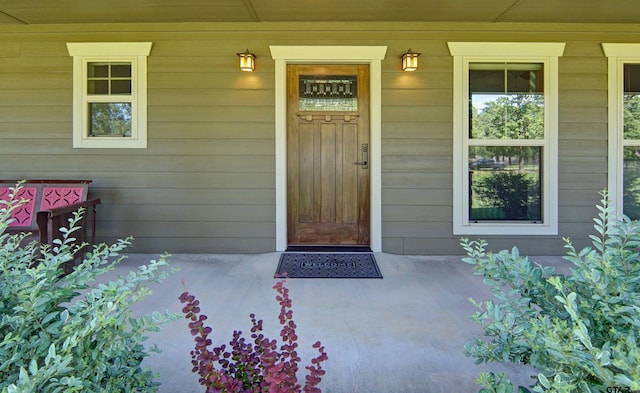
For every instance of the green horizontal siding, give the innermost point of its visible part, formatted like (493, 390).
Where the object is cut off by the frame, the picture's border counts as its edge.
(206, 182)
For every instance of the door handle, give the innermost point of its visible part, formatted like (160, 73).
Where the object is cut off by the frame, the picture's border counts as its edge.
(365, 157)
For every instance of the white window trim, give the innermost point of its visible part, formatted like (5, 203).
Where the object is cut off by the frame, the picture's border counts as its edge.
(465, 52)
(618, 55)
(134, 52)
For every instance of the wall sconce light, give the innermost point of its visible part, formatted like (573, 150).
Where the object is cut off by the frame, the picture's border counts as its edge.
(247, 61)
(410, 61)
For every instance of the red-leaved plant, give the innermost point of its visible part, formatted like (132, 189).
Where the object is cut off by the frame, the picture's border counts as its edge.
(257, 367)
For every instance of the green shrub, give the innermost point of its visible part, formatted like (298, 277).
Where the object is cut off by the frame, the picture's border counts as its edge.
(515, 194)
(581, 331)
(70, 333)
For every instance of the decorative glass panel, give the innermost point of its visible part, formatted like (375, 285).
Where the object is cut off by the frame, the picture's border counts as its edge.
(504, 183)
(506, 101)
(328, 93)
(108, 78)
(110, 119)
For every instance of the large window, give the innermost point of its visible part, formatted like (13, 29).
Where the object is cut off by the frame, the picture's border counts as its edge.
(109, 94)
(624, 127)
(505, 138)
(631, 140)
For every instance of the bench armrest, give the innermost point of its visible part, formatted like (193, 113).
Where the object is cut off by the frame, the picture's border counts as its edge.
(50, 221)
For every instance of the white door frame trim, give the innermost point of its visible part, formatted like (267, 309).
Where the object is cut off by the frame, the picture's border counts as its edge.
(371, 55)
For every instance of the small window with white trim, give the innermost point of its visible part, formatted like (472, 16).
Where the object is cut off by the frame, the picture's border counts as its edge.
(109, 94)
(505, 138)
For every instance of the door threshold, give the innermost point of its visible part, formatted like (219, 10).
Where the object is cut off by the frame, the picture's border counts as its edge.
(327, 248)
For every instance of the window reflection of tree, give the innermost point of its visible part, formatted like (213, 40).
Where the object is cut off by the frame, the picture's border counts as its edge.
(110, 119)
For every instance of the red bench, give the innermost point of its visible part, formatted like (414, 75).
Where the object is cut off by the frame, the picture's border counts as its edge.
(50, 204)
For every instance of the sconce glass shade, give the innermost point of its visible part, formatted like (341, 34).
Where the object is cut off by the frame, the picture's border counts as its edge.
(410, 61)
(247, 61)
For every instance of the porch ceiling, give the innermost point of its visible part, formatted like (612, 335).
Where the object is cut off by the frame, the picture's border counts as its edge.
(30, 12)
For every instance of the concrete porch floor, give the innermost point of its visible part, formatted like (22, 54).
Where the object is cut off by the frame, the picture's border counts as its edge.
(404, 333)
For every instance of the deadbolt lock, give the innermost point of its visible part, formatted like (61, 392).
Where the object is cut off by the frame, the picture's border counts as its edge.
(365, 157)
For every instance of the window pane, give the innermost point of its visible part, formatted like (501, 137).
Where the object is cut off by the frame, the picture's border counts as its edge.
(631, 131)
(98, 87)
(120, 70)
(632, 101)
(524, 78)
(98, 70)
(506, 101)
(505, 183)
(110, 119)
(631, 182)
(121, 87)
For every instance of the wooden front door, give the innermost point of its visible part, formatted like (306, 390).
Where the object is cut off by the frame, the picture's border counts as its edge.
(327, 154)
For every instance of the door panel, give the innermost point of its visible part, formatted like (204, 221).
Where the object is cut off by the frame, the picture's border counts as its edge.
(327, 187)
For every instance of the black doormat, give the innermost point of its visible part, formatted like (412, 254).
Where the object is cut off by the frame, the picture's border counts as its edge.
(327, 265)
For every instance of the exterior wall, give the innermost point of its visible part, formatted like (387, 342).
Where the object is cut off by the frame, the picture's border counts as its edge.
(206, 182)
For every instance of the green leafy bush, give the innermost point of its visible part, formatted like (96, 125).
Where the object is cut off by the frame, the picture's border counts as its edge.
(514, 193)
(580, 331)
(71, 333)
